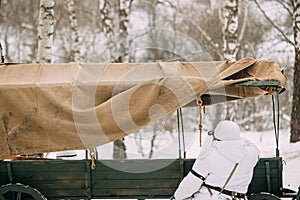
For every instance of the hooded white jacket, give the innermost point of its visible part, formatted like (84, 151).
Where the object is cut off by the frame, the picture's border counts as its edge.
(216, 163)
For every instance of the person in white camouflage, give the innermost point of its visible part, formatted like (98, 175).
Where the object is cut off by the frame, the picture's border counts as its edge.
(224, 168)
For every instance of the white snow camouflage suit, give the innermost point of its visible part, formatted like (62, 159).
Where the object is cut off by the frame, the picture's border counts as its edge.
(215, 163)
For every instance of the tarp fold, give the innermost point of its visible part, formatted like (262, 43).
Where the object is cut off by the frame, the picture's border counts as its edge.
(54, 107)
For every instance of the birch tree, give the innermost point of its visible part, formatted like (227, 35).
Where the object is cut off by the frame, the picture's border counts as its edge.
(1, 54)
(295, 119)
(1, 49)
(117, 52)
(107, 25)
(230, 36)
(231, 48)
(106, 15)
(124, 9)
(230, 41)
(45, 31)
(75, 53)
(292, 8)
(123, 56)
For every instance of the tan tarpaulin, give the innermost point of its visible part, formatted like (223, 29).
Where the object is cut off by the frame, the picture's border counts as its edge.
(54, 107)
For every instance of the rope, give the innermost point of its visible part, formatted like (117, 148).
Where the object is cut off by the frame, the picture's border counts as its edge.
(229, 177)
(92, 154)
(200, 103)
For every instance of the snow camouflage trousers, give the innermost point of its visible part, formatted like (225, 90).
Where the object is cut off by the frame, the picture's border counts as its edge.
(221, 197)
(204, 194)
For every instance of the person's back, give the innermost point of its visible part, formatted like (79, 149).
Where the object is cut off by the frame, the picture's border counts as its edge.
(223, 169)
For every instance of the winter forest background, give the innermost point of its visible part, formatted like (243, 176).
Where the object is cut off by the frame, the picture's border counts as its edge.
(163, 30)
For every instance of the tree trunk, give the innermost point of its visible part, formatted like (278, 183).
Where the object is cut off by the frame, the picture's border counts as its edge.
(119, 152)
(230, 38)
(123, 56)
(230, 42)
(124, 9)
(1, 54)
(295, 119)
(45, 31)
(107, 24)
(74, 31)
(1, 49)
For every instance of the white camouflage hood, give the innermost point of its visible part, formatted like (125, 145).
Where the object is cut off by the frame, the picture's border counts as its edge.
(227, 141)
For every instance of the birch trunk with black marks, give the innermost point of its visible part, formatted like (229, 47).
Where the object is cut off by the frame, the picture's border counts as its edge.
(75, 53)
(295, 119)
(1, 54)
(119, 151)
(230, 42)
(230, 37)
(124, 9)
(106, 15)
(45, 31)
(122, 57)
(107, 25)
(1, 48)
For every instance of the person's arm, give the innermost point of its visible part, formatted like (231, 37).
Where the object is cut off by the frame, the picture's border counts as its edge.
(193, 181)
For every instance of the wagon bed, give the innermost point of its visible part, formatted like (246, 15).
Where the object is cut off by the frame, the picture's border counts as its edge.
(74, 179)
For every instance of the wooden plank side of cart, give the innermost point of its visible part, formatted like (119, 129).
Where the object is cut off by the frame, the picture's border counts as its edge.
(58, 179)
(53, 178)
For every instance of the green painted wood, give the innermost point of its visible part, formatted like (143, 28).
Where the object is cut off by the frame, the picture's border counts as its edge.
(155, 192)
(260, 178)
(275, 163)
(258, 84)
(109, 182)
(48, 165)
(128, 184)
(69, 179)
(3, 173)
(112, 175)
(70, 184)
(50, 176)
(64, 193)
(137, 165)
(89, 181)
(262, 173)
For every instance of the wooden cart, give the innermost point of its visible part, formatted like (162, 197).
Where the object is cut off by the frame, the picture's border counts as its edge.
(74, 179)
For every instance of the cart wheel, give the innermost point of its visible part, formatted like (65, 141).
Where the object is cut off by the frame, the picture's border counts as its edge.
(19, 191)
(263, 196)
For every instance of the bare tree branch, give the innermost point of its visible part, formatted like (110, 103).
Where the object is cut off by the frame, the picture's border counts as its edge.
(205, 35)
(286, 5)
(273, 24)
(245, 20)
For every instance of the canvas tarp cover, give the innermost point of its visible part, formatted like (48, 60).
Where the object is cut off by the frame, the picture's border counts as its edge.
(54, 107)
